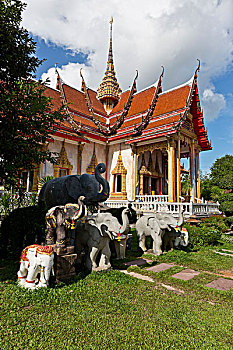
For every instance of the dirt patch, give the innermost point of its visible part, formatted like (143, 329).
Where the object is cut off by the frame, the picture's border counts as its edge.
(227, 273)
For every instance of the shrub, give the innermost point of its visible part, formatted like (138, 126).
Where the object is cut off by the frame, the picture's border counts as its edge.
(215, 221)
(202, 235)
(229, 221)
(227, 207)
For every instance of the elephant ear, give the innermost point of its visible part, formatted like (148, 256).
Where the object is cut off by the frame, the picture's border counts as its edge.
(73, 188)
(152, 222)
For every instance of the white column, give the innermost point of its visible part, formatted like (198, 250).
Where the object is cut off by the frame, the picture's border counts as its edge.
(178, 172)
(198, 180)
(192, 171)
(170, 171)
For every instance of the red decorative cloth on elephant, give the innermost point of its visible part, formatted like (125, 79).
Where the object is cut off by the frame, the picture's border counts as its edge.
(25, 250)
(47, 249)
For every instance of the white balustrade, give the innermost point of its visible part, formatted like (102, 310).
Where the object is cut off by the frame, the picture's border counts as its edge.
(147, 198)
(188, 208)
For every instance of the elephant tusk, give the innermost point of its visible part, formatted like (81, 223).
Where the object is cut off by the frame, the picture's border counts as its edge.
(52, 269)
(101, 188)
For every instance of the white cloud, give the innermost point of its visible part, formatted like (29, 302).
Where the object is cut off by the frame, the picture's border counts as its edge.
(212, 104)
(146, 35)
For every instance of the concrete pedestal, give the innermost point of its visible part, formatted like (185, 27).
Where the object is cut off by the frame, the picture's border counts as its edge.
(64, 264)
(120, 247)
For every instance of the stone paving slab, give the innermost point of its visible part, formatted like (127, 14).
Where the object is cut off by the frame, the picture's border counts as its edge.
(160, 267)
(186, 274)
(138, 262)
(137, 275)
(221, 284)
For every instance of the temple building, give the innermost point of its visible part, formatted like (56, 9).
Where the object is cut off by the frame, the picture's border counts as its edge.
(141, 136)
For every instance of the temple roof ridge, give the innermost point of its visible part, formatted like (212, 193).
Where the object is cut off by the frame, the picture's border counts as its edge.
(189, 83)
(155, 84)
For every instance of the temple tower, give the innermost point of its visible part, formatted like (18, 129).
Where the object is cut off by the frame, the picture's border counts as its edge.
(109, 91)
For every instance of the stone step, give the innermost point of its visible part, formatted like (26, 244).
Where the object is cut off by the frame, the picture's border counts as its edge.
(186, 274)
(160, 267)
(221, 284)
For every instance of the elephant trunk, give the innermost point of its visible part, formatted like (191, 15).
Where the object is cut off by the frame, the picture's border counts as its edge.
(180, 219)
(125, 227)
(104, 188)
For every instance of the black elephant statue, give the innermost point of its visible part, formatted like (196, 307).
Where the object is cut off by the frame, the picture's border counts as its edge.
(67, 189)
(117, 212)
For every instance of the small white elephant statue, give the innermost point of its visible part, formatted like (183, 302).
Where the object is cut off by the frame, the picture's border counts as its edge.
(155, 226)
(36, 259)
(94, 236)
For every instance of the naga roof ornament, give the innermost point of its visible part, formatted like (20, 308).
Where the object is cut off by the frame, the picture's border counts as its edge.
(190, 98)
(69, 116)
(145, 121)
(109, 91)
(103, 129)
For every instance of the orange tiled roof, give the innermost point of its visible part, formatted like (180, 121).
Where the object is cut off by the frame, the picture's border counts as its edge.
(170, 107)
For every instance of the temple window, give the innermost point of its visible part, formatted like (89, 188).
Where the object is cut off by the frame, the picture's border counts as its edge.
(63, 172)
(119, 180)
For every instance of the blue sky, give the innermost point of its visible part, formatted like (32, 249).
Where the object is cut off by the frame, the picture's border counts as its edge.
(75, 34)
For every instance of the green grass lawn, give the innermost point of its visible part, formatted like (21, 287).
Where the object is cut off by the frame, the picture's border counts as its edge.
(111, 310)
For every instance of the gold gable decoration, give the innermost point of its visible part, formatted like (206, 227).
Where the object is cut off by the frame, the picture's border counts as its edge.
(119, 168)
(121, 171)
(62, 162)
(91, 168)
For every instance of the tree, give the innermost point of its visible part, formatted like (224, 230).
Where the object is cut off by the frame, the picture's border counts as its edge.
(218, 186)
(27, 116)
(221, 174)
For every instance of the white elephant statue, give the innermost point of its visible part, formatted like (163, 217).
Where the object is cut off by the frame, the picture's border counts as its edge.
(94, 236)
(36, 259)
(154, 225)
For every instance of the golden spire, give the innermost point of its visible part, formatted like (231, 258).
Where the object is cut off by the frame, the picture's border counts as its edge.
(109, 91)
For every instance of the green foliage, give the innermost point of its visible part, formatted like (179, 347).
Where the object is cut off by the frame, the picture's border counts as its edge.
(185, 184)
(229, 220)
(11, 200)
(202, 235)
(219, 185)
(221, 174)
(206, 188)
(215, 221)
(227, 207)
(27, 116)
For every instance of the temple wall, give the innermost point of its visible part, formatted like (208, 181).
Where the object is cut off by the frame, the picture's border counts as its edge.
(72, 154)
(127, 158)
(88, 152)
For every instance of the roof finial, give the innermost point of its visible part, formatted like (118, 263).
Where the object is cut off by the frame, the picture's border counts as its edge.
(110, 57)
(109, 91)
(162, 71)
(198, 68)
